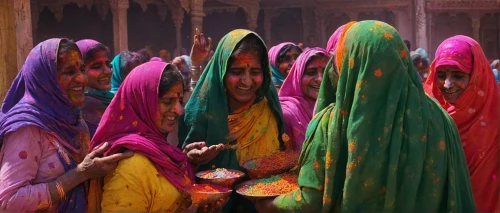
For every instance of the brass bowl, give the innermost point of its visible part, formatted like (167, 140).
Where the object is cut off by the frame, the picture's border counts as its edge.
(228, 182)
(278, 163)
(203, 197)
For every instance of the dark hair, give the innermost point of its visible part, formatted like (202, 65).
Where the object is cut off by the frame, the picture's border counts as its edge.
(146, 54)
(96, 48)
(169, 77)
(408, 44)
(126, 58)
(66, 46)
(250, 43)
(285, 50)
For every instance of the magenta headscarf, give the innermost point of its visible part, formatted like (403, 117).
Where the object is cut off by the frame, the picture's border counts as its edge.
(85, 46)
(129, 122)
(333, 42)
(455, 51)
(297, 112)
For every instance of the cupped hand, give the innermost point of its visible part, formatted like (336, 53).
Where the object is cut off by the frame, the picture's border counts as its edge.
(200, 49)
(198, 153)
(95, 165)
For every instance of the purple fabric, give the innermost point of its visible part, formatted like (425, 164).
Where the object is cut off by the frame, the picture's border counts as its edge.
(275, 51)
(86, 45)
(130, 122)
(36, 98)
(297, 111)
(455, 51)
(333, 42)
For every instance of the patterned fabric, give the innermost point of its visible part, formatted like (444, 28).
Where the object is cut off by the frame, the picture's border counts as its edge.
(36, 99)
(384, 146)
(96, 101)
(207, 115)
(274, 52)
(130, 123)
(475, 113)
(297, 111)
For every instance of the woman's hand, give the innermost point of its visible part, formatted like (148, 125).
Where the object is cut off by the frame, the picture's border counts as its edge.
(198, 153)
(266, 206)
(200, 49)
(94, 165)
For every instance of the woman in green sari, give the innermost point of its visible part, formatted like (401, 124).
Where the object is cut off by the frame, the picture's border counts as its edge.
(384, 146)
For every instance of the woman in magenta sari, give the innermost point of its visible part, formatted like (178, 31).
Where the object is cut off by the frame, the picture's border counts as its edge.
(98, 71)
(43, 139)
(281, 59)
(300, 91)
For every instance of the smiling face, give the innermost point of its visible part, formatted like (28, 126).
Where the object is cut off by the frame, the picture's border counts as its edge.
(452, 82)
(99, 71)
(243, 79)
(171, 107)
(71, 77)
(312, 77)
(286, 62)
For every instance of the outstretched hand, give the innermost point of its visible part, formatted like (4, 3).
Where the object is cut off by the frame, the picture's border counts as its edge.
(200, 48)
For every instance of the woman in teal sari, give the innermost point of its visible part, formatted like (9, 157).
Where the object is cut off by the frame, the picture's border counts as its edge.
(234, 106)
(121, 66)
(384, 146)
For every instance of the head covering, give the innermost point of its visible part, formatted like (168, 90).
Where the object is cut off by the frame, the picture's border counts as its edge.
(332, 44)
(297, 111)
(156, 59)
(36, 98)
(475, 113)
(274, 52)
(495, 71)
(207, 110)
(130, 123)
(384, 146)
(96, 100)
(117, 78)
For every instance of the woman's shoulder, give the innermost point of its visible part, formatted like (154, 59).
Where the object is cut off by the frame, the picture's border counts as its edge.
(136, 164)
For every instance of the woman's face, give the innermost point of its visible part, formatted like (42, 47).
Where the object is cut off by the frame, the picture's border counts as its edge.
(171, 107)
(286, 62)
(243, 79)
(452, 82)
(71, 77)
(312, 77)
(99, 71)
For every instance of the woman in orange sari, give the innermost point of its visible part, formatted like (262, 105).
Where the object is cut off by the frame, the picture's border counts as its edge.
(462, 82)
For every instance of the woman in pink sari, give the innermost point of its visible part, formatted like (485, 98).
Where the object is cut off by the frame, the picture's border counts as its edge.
(461, 80)
(299, 92)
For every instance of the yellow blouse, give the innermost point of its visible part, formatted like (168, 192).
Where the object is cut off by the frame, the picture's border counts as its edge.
(137, 186)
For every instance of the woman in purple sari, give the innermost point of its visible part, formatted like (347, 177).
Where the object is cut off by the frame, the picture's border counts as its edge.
(281, 59)
(98, 71)
(300, 91)
(43, 139)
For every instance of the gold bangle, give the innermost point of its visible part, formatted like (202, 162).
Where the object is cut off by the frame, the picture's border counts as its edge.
(60, 190)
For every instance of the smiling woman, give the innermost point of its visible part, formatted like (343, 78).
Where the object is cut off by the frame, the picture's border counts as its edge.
(281, 59)
(98, 71)
(300, 91)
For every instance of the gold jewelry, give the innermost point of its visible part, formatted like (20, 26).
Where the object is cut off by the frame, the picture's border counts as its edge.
(60, 190)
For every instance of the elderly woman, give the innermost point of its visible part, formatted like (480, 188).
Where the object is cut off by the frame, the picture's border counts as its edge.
(384, 146)
(281, 58)
(462, 81)
(43, 139)
(121, 66)
(146, 109)
(97, 64)
(299, 93)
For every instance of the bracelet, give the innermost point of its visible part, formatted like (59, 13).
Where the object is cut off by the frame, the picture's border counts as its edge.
(60, 190)
(193, 83)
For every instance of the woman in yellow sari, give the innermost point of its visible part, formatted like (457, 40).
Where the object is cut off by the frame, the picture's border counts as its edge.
(234, 105)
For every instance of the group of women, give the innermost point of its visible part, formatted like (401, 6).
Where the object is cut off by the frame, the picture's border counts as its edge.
(82, 133)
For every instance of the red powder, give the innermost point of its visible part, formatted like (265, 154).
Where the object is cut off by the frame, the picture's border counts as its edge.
(202, 193)
(219, 173)
(271, 165)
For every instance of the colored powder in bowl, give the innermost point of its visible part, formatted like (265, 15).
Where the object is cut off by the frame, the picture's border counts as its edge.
(219, 173)
(271, 165)
(204, 192)
(274, 186)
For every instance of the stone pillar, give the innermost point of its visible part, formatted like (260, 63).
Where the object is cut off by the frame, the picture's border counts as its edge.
(8, 61)
(476, 24)
(196, 16)
(178, 17)
(120, 27)
(421, 24)
(268, 18)
(252, 16)
(404, 25)
(24, 40)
